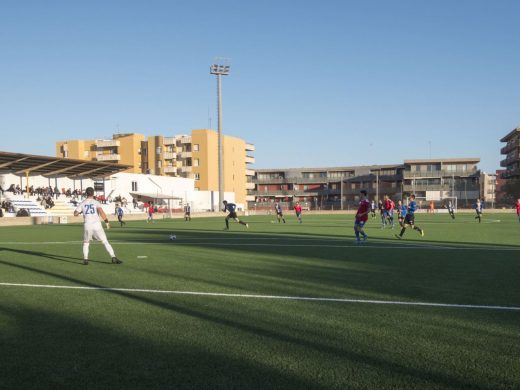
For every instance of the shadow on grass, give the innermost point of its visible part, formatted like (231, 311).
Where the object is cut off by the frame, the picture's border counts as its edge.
(55, 351)
(197, 367)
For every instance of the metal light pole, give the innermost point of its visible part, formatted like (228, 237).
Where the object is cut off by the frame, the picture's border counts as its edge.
(220, 70)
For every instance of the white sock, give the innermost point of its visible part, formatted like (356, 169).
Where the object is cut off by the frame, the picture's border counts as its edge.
(85, 250)
(109, 249)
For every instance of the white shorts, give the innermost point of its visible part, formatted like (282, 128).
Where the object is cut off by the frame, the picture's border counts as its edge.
(94, 232)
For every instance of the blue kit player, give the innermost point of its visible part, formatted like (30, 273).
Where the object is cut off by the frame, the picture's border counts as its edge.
(231, 208)
(409, 219)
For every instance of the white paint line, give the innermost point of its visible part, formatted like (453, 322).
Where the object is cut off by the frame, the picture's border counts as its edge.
(257, 296)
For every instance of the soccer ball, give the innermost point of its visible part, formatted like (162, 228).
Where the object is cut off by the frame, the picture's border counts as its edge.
(173, 237)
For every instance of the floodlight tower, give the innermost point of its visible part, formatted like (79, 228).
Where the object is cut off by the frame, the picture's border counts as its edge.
(219, 70)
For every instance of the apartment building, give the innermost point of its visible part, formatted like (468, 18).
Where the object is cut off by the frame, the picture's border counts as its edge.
(512, 152)
(488, 186)
(338, 187)
(320, 188)
(189, 156)
(437, 179)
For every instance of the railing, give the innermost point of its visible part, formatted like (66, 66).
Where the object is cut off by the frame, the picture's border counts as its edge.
(108, 157)
(170, 155)
(169, 141)
(186, 169)
(250, 186)
(250, 172)
(511, 173)
(170, 169)
(186, 140)
(441, 173)
(510, 160)
(109, 143)
(183, 155)
(510, 146)
(428, 187)
(250, 160)
(250, 147)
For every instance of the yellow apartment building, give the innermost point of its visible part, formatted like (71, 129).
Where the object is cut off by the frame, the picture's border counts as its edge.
(191, 156)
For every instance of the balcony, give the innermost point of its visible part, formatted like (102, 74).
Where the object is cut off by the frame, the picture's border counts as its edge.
(108, 157)
(431, 187)
(511, 173)
(170, 170)
(185, 169)
(169, 141)
(186, 139)
(441, 173)
(250, 147)
(170, 155)
(510, 160)
(250, 172)
(108, 143)
(269, 180)
(250, 160)
(510, 146)
(250, 186)
(182, 155)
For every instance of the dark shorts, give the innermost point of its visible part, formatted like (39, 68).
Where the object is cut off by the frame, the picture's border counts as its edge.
(359, 223)
(232, 215)
(409, 219)
(298, 214)
(280, 214)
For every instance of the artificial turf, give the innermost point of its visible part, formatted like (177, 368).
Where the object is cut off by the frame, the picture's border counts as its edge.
(111, 339)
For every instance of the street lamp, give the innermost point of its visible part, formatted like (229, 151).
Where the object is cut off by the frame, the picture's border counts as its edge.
(220, 70)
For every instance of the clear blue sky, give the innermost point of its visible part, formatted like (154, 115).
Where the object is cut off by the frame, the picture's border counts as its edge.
(312, 83)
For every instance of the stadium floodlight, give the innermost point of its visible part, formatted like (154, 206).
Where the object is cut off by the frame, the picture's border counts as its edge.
(219, 69)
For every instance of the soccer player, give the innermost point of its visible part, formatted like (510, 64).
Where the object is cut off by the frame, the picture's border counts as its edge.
(361, 216)
(432, 207)
(409, 219)
(91, 210)
(187, 212)
(231, 207)
(449, 206)
(279, 211)
(120, 214)
(150, 213)
(478, 210)
(401, 212)
(298, 211)
(373, 208)
(518, 209)
(389, 206)
(382, 212)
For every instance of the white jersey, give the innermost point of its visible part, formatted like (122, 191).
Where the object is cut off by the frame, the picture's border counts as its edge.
(90, 215)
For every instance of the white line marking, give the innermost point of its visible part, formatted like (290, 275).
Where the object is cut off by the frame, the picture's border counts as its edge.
(258, 296)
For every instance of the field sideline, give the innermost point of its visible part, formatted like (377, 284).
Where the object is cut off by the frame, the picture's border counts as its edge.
(278, 306)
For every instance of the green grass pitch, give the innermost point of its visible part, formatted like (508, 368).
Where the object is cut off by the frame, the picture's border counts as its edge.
(176, 336)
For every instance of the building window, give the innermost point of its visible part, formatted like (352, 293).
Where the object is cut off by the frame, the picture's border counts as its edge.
(134, 186)
(65, 154)
(85, 154)
(158, 150)
(197, 176)
(195, 162)
(195, 147)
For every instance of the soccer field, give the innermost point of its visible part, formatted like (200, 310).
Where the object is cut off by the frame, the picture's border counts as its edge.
(278, 306)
